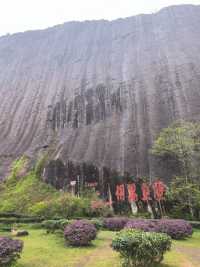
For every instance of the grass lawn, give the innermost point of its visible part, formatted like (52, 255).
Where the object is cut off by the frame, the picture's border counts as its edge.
(50, 250)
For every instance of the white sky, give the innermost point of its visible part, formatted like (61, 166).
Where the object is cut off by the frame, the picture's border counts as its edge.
(22, 15)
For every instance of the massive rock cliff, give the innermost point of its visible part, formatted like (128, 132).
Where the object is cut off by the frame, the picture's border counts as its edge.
(99, 91)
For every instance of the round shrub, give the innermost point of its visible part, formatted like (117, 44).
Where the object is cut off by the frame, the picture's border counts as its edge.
(22, 233)
(176, 229)
(9, 251)
(62, 223)
(80, 233)
(141, 249)
(115, 223)
(98, 223)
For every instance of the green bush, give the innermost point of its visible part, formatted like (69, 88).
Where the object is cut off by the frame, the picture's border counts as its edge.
(98, 223)
(63, 223)
(100, 208)
(12, 214)
(52, 225)
(195, 224)
(20, 220)
(29, 195)
(24, 192)
(5, 227)
(40, 164)
(141, 215)
(63, 206)
(20, 194)
(19, 168)
(141, 249)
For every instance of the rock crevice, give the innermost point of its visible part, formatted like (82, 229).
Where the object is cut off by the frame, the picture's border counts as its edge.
(100, 90)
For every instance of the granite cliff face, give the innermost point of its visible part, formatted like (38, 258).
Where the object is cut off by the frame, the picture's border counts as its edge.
(99, 91)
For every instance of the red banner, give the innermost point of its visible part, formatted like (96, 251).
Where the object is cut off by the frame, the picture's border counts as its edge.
(145, 192)
(159, 190)
(132, 195)
(120, 192)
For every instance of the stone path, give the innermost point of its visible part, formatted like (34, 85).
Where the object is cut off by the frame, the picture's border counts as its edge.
(191, 256)
(191, 253)
(103, 252)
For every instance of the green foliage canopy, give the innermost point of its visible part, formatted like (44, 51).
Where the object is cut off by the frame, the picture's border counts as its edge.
(140, 249)
(181, 141)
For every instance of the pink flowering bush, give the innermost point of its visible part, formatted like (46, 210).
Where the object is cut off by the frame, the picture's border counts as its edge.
(115, 223)
(176, 229)
(9, 251)
(143, 224)
(80, 233)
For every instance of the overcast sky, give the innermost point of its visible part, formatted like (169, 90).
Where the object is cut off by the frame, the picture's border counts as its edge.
(22, 15)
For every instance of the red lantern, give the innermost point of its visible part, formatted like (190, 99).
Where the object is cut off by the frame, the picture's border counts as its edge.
(159, 190)
(120, 192)
(145, 192)
(132, 195)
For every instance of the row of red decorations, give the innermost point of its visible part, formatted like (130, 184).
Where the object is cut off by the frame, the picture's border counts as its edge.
(158, 187)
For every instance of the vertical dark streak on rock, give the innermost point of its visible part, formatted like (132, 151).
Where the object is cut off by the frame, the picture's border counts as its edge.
(100, 91)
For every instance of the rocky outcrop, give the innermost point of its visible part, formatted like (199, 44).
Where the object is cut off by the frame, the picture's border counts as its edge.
(99, 91)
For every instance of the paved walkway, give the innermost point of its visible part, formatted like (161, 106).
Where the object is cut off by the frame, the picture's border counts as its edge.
(191, 253)
(104, 255)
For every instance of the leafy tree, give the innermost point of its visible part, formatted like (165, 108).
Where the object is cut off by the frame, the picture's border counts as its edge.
(181, 141)
(178, 195)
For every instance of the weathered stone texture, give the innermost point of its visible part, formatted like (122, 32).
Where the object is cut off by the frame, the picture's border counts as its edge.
(103, 90)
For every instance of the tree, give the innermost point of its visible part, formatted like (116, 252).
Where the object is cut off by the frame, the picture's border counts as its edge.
(184, 199)
(181, 141)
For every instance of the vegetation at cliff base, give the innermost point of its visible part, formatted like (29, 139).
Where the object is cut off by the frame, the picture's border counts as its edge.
(22, 189)
(24, 192)
(180, 144)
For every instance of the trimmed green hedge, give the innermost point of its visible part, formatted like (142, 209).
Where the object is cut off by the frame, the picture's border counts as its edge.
(195, 224)
(52, 225)
(21, 220)
(15, 215)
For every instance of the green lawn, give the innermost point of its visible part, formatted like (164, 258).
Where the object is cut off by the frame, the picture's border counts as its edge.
(50, 250)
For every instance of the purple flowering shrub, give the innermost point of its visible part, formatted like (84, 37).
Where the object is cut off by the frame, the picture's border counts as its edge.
(9, 251)
(177, 229)
(115, 223)
(142, 224)
(80, 233)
